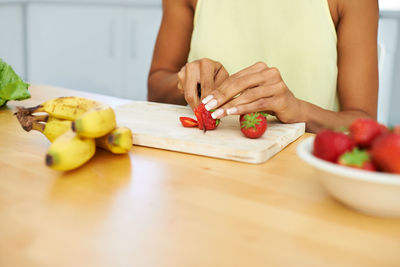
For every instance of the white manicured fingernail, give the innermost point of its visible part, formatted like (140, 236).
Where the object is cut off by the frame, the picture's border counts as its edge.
(231, 111)
(212, 104)
(217, 113)
(206, 99)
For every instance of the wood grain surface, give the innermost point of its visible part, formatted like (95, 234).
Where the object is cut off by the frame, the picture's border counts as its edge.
(154, 207)
(157, 125)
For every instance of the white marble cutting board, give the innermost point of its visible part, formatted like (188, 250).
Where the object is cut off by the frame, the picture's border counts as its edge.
(157, 125)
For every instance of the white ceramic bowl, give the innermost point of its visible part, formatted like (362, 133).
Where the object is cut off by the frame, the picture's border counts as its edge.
(369, 192)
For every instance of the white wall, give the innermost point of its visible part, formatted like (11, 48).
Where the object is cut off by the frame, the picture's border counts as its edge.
(389, 36)
(388, 42)
(101, 46)
(12, 42)
(394, 116)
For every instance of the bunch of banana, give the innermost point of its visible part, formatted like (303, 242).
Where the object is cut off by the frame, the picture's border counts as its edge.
(90, 118)
(75, 126)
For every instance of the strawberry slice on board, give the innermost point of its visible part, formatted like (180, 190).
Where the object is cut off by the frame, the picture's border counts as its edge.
(188, 122)
(199, 117)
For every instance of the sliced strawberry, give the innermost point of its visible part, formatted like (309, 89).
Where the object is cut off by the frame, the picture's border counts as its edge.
(204, 118)
(357, 158)
(253, 125)
(199, 119)
(329, 145)
(188, 122)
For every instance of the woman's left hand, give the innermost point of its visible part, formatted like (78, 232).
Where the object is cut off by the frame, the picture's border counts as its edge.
(261, 89)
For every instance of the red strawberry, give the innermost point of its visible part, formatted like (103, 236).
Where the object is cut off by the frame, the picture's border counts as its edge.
(188, 122)
(204, 118)
(396, 129)
(329, 145)
(253, 125)
(364, 131)
(357, 158)
(386, 153)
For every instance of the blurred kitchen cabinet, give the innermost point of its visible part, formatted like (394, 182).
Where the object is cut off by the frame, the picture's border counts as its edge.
(141, 27)
(103, 49)
(12, 37)
(76, 46)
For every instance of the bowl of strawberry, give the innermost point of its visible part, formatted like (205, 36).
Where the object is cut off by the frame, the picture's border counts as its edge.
(360, 168)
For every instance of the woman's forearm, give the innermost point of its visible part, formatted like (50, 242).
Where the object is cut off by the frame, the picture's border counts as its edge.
(317, 118)
(162, 87)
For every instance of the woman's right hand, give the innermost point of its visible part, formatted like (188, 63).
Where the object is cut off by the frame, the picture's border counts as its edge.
(208, 73)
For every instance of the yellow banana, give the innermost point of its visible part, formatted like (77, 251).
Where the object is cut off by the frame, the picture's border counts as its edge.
(92, 119)
(69, 108)
(118, 141)
(69, 151)
(53, 128)
(96, 122)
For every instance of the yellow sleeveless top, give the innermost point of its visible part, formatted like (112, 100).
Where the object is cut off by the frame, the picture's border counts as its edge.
(296, 36)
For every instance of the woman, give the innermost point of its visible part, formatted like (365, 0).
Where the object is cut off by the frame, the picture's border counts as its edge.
(311, 61)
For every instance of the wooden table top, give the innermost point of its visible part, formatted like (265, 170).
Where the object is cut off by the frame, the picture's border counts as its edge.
(161, 208)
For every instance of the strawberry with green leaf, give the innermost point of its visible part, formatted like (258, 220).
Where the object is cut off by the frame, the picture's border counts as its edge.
(357, 158)
(330, 145)
(253, 125)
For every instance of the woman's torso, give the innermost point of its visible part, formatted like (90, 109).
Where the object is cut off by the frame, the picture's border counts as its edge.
(297, 37)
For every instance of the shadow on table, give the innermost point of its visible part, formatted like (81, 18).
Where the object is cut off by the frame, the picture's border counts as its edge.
(102, 178)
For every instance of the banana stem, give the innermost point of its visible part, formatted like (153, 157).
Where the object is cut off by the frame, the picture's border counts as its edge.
(24, 118)
(38, 126)
(42, 118)
(29, 121)
(38, 108)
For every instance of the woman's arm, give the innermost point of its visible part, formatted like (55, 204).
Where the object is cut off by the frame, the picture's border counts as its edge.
(357, 64)
(171, 80)
(171, 51)
(262, 87)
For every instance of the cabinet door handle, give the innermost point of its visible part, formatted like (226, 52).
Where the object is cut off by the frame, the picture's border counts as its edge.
(132, 40)
(111, 46)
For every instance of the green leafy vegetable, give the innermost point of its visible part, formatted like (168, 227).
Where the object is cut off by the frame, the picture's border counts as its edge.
(12, 87)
